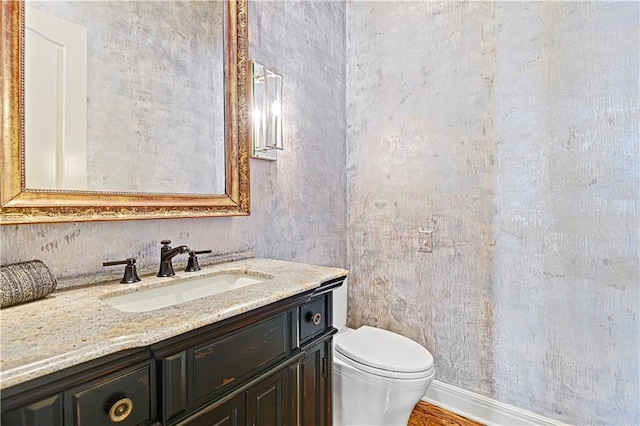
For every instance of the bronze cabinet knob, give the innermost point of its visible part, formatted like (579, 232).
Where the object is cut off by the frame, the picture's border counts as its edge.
(120, 410)
(317, 319)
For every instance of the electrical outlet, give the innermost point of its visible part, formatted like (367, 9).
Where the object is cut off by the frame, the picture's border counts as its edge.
(425, 241)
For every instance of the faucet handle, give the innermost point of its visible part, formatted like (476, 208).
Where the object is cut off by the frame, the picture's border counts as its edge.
(202, 252)
(130, 272)
(192, 263)
(166, 243)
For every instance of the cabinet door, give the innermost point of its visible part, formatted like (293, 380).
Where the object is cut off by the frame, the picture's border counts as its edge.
(268, 401)
(228, 413)
(315, 386)
(312, 386)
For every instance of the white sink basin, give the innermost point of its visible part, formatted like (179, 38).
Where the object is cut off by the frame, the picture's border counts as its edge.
(181, 291)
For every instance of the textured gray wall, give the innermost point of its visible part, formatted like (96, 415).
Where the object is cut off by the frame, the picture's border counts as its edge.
(511, 130)
(294, 216)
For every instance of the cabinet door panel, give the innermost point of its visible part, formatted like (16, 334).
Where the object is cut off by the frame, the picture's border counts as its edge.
(229, 413)
(46, 412)
(313, 387)
(174, 385)
(268, 401)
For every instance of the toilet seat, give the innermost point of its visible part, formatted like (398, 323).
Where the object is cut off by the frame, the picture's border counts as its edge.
(383, 353)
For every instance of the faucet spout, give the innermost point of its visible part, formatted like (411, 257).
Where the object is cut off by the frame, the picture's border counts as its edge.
(166, 255)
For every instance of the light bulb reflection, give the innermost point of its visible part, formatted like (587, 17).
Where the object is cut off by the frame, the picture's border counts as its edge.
(275, 108)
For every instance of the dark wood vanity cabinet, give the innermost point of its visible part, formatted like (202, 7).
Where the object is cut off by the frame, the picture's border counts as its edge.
(270, 366)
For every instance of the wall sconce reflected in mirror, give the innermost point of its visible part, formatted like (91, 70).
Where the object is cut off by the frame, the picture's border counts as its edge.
(266, 107)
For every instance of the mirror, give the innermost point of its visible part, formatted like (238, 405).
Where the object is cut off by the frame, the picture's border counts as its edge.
(124, 97)
(192, 161)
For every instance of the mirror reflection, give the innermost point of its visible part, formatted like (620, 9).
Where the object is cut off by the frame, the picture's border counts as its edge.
(125, 96)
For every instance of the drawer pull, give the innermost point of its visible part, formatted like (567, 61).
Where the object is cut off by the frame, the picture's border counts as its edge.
(316, 319)
(120, 410)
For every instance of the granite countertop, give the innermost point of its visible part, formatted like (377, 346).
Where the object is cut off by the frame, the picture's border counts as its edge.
(73, 326)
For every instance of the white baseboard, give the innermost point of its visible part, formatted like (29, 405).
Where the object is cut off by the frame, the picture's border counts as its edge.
(482, 409)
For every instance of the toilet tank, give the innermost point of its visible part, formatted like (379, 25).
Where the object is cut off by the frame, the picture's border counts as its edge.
(340, 305)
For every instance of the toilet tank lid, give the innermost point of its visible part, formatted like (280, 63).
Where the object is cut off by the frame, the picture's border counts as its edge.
(385, 350)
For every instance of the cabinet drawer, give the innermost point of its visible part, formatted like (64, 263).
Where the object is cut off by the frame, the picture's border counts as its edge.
(124, 399)
(222, 364)
(313, 318)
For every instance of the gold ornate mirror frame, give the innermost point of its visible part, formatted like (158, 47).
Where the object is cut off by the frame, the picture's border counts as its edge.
(21, 205)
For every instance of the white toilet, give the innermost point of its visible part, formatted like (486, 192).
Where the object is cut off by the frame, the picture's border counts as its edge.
(378, 378)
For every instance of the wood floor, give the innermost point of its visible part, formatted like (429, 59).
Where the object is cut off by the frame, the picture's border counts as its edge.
(425, 414)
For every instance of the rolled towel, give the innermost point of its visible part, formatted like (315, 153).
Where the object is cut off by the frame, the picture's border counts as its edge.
(25, 281)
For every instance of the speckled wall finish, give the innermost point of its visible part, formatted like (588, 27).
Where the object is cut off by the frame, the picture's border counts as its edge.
(293, 216)
(510, 129)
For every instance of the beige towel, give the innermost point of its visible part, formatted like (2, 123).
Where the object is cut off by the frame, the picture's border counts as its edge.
(25, 281)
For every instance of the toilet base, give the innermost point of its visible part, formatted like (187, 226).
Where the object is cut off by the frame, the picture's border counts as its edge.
(365, 399)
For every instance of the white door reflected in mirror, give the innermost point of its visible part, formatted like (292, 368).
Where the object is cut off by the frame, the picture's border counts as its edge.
(55, 102)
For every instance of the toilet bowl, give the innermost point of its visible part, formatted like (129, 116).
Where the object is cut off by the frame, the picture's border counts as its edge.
(379, 376)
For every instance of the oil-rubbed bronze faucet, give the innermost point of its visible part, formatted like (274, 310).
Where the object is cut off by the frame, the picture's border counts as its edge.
(166, 254)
